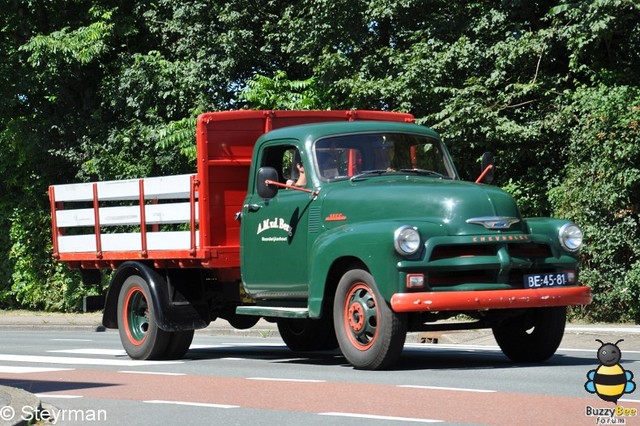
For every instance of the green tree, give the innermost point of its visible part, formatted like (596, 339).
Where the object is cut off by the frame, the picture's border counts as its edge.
(279, 92)
(601, 191)
(105, 90)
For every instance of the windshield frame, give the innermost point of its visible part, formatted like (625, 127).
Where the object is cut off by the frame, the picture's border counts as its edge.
(452, 173)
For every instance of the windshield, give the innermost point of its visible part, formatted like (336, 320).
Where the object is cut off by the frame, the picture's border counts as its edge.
(358, 155)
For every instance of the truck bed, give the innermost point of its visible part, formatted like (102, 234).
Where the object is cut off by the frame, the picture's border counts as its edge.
(176, 221)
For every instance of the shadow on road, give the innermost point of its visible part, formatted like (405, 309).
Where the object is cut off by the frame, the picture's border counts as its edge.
(48, 386)
(413, 358)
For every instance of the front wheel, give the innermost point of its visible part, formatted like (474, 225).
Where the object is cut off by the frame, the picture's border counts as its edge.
(139, 333)
(533, 336)
(371, 336)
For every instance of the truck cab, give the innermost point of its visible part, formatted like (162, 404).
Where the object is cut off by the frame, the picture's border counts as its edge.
(383, 202)
(353, 171)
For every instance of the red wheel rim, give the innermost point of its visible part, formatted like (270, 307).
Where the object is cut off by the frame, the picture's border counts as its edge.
(361, 316)
(135, 315)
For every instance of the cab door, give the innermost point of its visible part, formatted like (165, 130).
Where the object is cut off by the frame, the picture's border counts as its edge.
(274, 257)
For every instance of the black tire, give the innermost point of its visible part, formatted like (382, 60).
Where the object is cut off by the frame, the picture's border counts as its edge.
(139, 332)
(179, 343)
(371, 336)
(303, 335)
(533, 336)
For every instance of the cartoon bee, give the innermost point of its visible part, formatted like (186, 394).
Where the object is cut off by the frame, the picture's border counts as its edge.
(609, 381)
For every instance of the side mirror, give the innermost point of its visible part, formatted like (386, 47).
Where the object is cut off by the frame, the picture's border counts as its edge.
(264, 174)
(487, 168)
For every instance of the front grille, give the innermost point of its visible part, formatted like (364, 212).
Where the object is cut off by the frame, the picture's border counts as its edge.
(463, 250)
(449, 278)
(498, 265)
(530, 250)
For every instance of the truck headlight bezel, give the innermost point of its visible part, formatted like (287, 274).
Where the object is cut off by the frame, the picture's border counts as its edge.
(406, 240)
(571, 237)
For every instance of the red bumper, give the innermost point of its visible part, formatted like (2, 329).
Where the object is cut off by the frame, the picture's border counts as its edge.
(490, 299)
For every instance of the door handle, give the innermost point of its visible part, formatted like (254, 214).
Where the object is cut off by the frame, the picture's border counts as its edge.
(253, 207)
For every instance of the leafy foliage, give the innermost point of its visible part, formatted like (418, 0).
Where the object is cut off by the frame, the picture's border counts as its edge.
(601, 191)
(82, 46)
(281, 93)
(105, 90)
(56, 289)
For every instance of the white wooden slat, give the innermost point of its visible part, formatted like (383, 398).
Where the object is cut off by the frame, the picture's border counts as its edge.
(174, 240)
(127, 215)
(161, 188)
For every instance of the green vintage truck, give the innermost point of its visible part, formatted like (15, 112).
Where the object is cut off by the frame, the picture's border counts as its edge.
(346, 228)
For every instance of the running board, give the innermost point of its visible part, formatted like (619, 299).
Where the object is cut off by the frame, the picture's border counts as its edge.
(272, 311)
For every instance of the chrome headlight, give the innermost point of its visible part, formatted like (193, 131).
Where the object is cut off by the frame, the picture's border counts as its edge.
(406, 240)
(570, 237)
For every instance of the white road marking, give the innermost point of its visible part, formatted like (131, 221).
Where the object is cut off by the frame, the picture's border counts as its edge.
(56, 396)
(286, 380)
(157, 373)
(257, 345)
(451, 346)
(81, 361)
(624, 351)
(207, 346)
(91, 351)
(487, 348)
(447, 388)
(191, 404)
(71, 340)
(374, 417)
(596, 329)
(24, 370)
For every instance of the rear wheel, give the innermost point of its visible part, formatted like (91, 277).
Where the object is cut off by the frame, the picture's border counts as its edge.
(178, 345)
(140, 335)
(533, 336)
(371, 336)
(307, 334)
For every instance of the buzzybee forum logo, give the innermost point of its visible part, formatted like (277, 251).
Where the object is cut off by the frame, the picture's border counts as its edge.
(609, 381)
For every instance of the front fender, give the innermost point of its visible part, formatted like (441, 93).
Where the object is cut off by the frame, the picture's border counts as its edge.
(551, 228)
(370, 243)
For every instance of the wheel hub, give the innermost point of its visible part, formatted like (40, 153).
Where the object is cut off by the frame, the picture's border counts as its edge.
(361, 316)
(137, 316)
(356, 316)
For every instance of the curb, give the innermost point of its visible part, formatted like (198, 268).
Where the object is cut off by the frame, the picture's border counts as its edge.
(19, 407)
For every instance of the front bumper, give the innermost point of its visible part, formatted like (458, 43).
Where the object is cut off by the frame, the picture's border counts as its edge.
(490, 299)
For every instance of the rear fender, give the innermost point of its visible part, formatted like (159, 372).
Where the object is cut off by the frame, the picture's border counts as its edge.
(169, 317)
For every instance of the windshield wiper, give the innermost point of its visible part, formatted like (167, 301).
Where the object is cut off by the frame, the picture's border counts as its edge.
(421, 172)
(424, 172)
(371, 173)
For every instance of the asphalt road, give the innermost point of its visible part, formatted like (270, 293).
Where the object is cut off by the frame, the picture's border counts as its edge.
(86, 378)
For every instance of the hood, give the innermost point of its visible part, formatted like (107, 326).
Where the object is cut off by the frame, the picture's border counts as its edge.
(410, 198)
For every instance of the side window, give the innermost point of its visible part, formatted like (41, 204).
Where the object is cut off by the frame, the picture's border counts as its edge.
(287, 161)
(292, 161)
(288, 164)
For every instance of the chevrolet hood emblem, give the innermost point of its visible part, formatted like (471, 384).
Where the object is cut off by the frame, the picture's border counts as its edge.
(494, 222)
